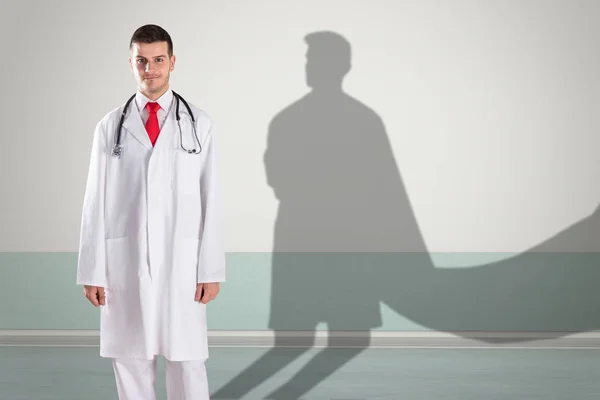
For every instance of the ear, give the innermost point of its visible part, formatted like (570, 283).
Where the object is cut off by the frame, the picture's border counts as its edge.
(172, 66)
(130, 64)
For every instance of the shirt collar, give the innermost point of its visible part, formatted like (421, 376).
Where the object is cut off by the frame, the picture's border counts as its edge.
(164, 100)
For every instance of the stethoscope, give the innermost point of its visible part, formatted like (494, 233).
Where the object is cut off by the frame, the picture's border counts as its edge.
(118, 150)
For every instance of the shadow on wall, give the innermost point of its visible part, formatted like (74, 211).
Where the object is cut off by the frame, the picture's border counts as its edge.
(346, 239)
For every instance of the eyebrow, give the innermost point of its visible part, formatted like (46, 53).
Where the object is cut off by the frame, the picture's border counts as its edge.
(162, 55)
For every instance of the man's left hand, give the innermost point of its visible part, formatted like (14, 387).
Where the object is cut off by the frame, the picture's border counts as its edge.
(211, 290)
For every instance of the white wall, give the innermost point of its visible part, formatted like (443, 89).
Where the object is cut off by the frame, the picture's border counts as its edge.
(491, 106)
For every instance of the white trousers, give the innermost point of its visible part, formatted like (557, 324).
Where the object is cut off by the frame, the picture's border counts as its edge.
(186, 380)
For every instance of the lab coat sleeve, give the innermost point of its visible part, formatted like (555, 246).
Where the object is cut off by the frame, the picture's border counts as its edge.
(91, 263)
(211, 260)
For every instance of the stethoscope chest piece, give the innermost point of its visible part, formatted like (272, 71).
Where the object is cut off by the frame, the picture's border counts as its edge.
(117, 151)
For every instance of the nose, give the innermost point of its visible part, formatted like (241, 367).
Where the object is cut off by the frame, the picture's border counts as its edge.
(149, 66)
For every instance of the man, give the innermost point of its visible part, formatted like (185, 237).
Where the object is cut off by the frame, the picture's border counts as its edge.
(151, 252)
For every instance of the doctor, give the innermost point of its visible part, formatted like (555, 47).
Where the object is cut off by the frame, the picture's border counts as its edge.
(151, 251)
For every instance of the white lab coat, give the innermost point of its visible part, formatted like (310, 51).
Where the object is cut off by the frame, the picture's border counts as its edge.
(151, 230)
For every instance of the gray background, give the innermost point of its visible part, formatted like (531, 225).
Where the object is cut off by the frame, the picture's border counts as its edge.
(490, 108)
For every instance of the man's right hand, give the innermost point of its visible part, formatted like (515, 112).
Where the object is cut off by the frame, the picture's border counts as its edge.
(94, 294)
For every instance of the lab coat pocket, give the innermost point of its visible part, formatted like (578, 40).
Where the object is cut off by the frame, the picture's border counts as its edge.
(185, 178)
(119, 266)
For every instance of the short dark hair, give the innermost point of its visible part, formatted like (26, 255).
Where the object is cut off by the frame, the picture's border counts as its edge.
(150, 34)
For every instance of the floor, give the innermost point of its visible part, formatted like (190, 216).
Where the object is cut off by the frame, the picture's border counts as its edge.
(54, 373)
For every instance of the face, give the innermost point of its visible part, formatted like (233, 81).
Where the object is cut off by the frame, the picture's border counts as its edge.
(151, 67)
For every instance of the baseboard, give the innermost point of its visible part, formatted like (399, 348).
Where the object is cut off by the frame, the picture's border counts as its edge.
(378, 339)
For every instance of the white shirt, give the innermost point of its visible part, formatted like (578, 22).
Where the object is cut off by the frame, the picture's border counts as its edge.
(165, 102)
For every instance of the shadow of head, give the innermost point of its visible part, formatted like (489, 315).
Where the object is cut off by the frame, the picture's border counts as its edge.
(328, 59)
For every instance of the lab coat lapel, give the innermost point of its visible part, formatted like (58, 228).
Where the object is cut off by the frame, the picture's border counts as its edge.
(133, 124)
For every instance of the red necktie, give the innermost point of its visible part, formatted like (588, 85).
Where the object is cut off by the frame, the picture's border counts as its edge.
(152, 123)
